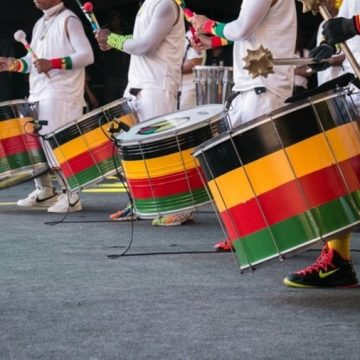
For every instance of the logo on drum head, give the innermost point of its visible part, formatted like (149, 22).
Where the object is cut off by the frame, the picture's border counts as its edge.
(162, 125)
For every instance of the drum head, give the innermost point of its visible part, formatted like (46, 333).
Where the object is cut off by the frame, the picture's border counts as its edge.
(167, 125)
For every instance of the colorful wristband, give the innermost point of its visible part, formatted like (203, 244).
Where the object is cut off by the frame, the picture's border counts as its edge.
(117, 41)
(357, 23)
(64, 63)
(18, 65)
(208, 26)
(217, 41)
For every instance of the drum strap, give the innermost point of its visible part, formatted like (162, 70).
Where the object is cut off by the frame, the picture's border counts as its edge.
(258, 91)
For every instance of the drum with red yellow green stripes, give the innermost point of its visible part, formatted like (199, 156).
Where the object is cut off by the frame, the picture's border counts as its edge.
(288, 180)
(21, 153)
(162, 175)
(84, 149)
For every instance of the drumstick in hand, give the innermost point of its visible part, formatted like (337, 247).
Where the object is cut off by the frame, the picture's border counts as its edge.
(20, 36)
(188, 15)
(87, 9)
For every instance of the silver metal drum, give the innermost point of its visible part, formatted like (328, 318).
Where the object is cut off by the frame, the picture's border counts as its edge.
(213, 84)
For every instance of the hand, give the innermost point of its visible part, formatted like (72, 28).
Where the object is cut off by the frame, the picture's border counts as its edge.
(339, 30)
(203, 43)
(101, 36)
(4, 63)
(43, 65)
(198, 21)
(321, 52)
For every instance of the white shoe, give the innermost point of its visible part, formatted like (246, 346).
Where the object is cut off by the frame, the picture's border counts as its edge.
(67, 202)
(40, 197)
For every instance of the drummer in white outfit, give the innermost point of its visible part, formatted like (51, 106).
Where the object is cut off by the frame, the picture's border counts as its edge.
(273, 24)
(156, 49)
(57, 81)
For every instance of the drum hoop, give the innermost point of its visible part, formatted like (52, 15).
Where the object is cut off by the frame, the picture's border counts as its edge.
(264, 119)
(211, 67)
(170, 134)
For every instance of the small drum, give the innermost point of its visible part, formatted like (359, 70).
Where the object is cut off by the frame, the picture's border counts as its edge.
(21, 154)
(213, 84)
(162, 175)
(84, 149)
(285, 181)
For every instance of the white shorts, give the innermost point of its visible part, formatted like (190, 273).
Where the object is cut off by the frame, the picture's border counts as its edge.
(249, 105)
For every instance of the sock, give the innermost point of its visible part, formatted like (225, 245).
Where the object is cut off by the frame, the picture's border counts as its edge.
(342, 246)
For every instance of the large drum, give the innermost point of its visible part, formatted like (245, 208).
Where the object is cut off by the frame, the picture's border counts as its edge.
(84, 149)
(21, 154)
(286, 181)
(213, 84)
(162, 175)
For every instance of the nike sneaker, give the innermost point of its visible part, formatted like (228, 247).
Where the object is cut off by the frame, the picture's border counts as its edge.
(67, 202)
(329, 270)
(40, 197)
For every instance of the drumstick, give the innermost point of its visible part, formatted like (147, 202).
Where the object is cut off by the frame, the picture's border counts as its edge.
(188, 15)
(20, 36)
(261, 62)
(87, 9)
(319, 6)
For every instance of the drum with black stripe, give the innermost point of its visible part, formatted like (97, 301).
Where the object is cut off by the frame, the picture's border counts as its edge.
(162, 175)
(285, 181)
(21, 153)
(84, 149)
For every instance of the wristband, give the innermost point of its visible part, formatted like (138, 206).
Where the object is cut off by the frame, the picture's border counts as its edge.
(18, 65)
(217, 41)
(208, 26)
(117, 41)
(356, 19)
(64, 63)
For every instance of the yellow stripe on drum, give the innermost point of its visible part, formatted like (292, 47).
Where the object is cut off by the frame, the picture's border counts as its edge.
(83, 143)
(15, 127)
(160, 166)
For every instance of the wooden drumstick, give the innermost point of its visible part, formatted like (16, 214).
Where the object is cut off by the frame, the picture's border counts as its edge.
(320, 6)
(87, 9)
(20, 36)
(260, 62)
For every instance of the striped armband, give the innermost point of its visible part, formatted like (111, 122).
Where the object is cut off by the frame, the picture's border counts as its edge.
(64, 63)
(217, 41)
(356, 19)
(117, 41)
(18, 65)
(214, 28)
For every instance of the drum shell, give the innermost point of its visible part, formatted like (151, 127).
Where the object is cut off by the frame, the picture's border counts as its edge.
(84, 149)
(21, 153)
(161, 174)
(289, 180)
(213, 84)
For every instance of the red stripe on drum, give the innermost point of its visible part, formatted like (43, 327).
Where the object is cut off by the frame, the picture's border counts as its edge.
(19, 144)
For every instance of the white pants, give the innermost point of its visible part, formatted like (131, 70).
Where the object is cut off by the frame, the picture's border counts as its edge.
(149, 103)
(188, 99)
(248, 105)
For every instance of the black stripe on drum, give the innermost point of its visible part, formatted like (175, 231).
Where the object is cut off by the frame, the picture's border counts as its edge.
(15, 111)
(246, 146)
(172, 144)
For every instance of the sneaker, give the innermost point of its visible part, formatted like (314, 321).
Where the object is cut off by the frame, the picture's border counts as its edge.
(127, 214)
(173, 220)
(223, 246)
(67, 202)
(329, 270)
(40, 197)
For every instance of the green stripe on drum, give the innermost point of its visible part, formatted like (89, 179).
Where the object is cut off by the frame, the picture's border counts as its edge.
(154, 206)
(93, 174)
(20, 160)
(297, 232)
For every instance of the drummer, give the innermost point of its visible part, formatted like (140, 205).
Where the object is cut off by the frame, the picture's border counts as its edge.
(57, 78)
(333, 268)
(271, 23)
(156, 49)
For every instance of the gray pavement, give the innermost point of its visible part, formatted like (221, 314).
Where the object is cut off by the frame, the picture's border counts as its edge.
(169, 297)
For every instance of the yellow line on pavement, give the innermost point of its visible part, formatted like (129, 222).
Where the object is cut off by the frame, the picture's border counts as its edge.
(7, 203)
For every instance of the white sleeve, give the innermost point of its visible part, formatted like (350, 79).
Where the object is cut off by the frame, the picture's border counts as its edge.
(164, 17)
(252, 12)
(83, 54)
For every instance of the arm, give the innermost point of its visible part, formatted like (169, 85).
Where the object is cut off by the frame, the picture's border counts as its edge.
(164, 17)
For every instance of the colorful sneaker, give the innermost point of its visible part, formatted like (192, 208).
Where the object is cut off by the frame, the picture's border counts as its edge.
(329, 270)
(67, 202)
(173, 220)
(223, 246)
(40, 197)
(127, 214)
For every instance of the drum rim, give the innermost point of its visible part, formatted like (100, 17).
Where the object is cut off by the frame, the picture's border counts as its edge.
(16, 102)
(206, 67)
(169, 134)
(260, 120)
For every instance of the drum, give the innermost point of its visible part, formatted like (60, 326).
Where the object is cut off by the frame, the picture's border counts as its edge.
(289, 180)
(21, 154)
(162, 175)
(84, 149)
(213, 84)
